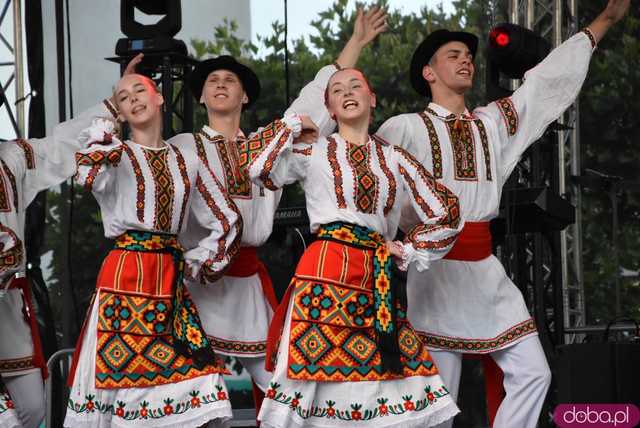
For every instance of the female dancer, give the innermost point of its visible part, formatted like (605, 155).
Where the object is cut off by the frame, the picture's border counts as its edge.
(143, 358)
(346, 351)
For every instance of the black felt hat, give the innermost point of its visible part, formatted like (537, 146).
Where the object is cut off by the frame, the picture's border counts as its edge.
(249, 79)
(428, 47)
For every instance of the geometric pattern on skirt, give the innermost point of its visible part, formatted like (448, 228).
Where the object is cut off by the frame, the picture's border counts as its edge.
(479, 346)
(332, 334)
(134, 342)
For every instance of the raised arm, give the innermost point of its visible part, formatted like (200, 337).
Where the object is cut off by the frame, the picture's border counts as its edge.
(548, 89)
(437, 208)
(310, 102)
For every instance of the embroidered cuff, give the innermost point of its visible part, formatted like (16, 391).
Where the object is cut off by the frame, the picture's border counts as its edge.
(112, 108)
(591, 37)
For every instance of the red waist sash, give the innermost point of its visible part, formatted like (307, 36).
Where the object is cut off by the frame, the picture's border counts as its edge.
(473, 244)
(247, 264)
(30, 317)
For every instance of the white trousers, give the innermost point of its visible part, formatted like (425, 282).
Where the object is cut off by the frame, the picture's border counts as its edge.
(255, 367)
(27, 393)
(526, 380)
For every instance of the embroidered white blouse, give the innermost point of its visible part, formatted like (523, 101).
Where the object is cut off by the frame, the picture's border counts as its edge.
(494, 137)
(159, 190)
(365, 185)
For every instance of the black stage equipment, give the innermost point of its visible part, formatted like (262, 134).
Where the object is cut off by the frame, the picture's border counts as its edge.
(600, 372)
(512, 50)
(166, 59)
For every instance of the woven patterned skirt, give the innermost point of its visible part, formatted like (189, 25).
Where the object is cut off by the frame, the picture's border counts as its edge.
(127, 372)
(328, 366)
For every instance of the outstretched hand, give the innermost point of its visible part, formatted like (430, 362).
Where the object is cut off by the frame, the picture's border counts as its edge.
(368, 25)
(131, 67)
(613, 13)
(616, 10)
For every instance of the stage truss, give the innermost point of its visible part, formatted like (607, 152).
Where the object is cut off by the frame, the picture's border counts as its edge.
(12, 113)
(554, 265)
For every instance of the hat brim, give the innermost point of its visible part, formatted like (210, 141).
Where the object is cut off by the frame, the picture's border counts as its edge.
(428, 48)
(250, 81)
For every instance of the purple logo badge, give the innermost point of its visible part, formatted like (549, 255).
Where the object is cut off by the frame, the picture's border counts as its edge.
(596, 415)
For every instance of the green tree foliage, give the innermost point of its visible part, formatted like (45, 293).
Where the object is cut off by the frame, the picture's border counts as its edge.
(610, 134)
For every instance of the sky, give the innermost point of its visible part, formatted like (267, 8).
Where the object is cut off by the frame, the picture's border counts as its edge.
(302, 12)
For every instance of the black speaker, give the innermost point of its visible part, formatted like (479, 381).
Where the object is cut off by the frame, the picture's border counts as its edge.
(599, 372)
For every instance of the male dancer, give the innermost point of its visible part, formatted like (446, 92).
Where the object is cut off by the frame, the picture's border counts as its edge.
(467, 304)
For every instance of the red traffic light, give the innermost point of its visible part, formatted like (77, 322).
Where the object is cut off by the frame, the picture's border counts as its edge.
(499, 37)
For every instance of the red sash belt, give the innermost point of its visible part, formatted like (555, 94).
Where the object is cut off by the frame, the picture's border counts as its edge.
(247, 264)
(30, 317)
(473, 244)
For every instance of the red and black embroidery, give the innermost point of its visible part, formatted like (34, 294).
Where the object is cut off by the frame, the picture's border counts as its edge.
(591, 37)
(436, 150)
(332, 148)
(236, 180)
(391, 180)
(140, 186)
(111, 108)
(218, 214)
(200, 150)
(12, 257)
(5, 203)
(464, 150)
(484, 140)
(305, 152)
(28, 152)
(182, 167)
(268, 164)
(420, 230)
(479, 345)
(250, 149)
(365, 182)
(447, 198)
(509, 114)
(96, 160)
(4, 198)
(12, 182)
(157, 160)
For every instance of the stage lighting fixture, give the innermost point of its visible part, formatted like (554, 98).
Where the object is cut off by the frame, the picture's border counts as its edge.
(150, 38)
(512, 50)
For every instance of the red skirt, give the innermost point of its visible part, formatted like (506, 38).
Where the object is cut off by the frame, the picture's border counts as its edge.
(332, 314)
(134, 343)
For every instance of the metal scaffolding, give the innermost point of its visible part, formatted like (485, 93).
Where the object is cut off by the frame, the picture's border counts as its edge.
(12, 69)
(556, 20)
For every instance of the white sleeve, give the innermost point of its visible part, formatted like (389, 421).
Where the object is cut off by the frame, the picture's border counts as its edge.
(438, 210)
(310, 102)
(548, 90)
(397, 131)
(51, 160)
